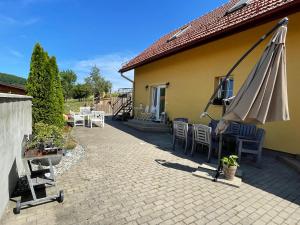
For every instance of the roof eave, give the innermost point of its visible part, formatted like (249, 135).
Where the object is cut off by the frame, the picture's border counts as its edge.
(277, 13)
(20, 87)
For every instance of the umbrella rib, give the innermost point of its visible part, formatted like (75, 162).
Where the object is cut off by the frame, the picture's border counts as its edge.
(259, 64)
(282, 22)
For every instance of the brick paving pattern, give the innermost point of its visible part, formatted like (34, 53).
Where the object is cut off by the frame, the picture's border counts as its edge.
(129, 177)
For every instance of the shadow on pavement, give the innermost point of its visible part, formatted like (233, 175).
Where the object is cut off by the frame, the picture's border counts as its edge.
(273, 177)
(176, 166)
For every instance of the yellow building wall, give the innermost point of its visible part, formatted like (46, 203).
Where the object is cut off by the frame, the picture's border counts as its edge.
(192, 80)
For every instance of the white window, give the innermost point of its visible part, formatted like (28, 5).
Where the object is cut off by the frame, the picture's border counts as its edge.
(225, 91)
(180, 32)
(240, 4)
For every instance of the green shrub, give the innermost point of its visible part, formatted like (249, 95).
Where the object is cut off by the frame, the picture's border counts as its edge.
(43, 133)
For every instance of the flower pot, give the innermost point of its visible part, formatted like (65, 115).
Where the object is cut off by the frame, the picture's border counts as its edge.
(55, 153)
(32, 153)
(55, 160)
(229, 172)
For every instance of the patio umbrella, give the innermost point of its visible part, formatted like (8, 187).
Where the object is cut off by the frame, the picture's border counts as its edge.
(263, 96)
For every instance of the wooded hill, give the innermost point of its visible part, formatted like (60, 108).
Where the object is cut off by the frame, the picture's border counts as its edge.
(12, 79)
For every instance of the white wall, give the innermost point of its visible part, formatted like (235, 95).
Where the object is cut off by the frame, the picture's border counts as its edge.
(15, 122)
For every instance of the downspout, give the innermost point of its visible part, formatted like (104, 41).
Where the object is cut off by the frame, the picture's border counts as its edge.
(126, 78)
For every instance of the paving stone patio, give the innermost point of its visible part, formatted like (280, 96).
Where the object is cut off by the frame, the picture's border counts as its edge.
(129, 177)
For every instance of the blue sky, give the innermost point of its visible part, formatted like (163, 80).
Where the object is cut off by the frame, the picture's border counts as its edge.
(83, 33)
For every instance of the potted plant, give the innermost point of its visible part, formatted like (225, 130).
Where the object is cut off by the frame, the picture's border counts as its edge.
(230, 165)
(46, 140)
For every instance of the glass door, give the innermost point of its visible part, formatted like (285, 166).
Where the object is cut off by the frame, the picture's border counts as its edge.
(160, 101)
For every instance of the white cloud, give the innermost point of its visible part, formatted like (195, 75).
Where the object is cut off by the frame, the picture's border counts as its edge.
(109, 66)
(16, 53)
(7, 20)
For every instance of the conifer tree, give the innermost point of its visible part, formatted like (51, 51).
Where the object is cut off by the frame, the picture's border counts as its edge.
(44, 86)
(38, 85)
(58, 104)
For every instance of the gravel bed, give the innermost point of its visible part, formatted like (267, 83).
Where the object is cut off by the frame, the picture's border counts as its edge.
(70, 158)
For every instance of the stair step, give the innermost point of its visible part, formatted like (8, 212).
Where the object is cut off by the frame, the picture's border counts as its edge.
(125, 107)
(146, 123)
(291, 162)
(147, 126)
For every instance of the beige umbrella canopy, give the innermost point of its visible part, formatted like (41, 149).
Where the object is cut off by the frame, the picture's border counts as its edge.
(263, 96)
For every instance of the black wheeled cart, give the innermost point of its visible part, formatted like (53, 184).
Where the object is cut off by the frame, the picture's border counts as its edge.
(37, 178)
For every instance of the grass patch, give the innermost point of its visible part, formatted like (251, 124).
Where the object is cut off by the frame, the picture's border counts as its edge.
(69, 141)
(74, 105)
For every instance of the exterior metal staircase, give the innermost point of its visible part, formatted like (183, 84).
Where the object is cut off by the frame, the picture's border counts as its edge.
(123, 106)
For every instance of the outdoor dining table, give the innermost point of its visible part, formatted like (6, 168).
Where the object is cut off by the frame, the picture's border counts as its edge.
(225, 136)
(229, 135)
(89, 116)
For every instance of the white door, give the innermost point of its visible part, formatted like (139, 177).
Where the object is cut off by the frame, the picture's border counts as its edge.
(158, 100)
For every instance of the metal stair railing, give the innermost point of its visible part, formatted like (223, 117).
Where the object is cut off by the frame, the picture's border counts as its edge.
(122, 104)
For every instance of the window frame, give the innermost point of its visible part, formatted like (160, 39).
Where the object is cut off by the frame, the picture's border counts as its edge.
(239, 5)
(180, 32)
(229, 92)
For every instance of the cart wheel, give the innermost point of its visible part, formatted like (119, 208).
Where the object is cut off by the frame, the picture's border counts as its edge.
(60, 199)
(18, 207)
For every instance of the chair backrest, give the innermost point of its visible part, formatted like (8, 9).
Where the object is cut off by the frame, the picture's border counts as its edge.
(137, 112)
(213, 124)
(260, 136)
(180, 129)
(235, 128)
(153, 109)
(85, 110)
(78, 117)
(247, 130)
(186, 120)
(202, 133)
(97, 114)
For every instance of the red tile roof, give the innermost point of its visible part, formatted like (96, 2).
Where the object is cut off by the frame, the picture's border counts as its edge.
(17, 86)
(215, 25)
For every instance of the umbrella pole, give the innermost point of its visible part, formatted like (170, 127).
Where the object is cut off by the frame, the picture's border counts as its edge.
(220, 166)
(282, 22)
(220, 148)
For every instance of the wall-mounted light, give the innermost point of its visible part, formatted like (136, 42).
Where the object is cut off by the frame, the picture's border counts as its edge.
(167, 84)
(147, 86)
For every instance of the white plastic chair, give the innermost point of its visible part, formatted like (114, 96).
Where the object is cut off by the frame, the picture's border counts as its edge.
(97, 116)
(78, 120)
(85, 110)
(202, 135)
(180, 131)
(145, 113)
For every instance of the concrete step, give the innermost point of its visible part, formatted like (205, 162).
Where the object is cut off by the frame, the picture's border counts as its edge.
(147, 126)
(146, 123)
(294, 163)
